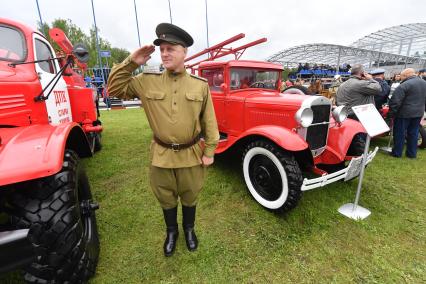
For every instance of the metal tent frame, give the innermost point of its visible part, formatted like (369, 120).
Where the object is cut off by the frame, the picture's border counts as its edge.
(393, 49)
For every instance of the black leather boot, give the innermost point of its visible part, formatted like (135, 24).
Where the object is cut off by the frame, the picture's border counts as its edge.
(172, 233)
(188, 227)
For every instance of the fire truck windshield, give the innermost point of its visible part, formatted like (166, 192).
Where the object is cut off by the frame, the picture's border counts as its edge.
(12, 44)
(242, 78)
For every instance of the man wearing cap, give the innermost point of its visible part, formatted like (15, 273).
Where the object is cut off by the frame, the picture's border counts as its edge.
(381, 98)
(179, 111)
(406, 107)
(359, 89)
(422, 73)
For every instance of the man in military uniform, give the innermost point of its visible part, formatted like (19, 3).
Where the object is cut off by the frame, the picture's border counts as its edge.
(381, 98)
(179, 111)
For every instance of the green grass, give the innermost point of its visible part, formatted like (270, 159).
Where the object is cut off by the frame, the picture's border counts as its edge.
(242, 242)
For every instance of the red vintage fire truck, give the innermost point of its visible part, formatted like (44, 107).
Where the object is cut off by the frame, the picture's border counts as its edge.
(47, 123)
(281, 136)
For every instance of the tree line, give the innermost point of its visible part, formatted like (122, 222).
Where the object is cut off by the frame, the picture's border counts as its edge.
(77, 35)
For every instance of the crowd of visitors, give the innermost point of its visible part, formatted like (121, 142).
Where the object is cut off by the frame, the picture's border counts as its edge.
(404, 96)
(342, 68)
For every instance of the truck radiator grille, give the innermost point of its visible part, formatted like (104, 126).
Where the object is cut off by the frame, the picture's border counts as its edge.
(316, 135)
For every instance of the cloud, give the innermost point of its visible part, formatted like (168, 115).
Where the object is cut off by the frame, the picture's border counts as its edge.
(284, 23)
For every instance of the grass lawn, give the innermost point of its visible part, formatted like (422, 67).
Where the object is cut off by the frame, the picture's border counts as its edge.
(242, 242)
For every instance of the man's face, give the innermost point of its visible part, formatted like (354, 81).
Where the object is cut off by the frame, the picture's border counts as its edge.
(172, 55)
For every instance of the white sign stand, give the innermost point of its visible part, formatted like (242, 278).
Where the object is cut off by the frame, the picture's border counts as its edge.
(374, 124)
(388, 148)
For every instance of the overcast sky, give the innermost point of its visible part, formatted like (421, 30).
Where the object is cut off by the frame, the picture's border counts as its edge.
(284, 23)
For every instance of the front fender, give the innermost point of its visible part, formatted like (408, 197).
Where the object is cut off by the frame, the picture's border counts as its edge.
(340, 137)
(281, 136)
(37, 151)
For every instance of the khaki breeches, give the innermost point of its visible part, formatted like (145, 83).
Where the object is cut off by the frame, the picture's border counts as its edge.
(170, 184)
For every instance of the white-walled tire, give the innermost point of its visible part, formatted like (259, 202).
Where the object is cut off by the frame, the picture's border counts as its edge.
(272, 176)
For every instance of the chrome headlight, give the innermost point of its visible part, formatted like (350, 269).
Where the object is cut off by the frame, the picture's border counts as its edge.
(304, 116)
(340, 114)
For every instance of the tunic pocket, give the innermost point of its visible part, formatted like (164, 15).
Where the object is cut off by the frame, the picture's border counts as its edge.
(194, 104)
(155, 95)
(156, 107)
(196, 97)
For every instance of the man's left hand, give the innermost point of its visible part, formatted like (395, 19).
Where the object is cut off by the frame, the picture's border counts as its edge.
(207, 161)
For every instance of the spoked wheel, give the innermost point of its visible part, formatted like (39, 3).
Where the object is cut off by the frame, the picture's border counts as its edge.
(272, 176)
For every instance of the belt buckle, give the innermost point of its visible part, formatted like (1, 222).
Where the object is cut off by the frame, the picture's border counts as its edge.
(175, 147)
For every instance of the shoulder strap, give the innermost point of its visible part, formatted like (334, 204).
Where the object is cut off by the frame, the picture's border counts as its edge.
(199, 78)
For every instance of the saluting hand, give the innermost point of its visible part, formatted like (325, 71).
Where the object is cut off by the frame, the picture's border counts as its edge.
(207, 161)
(142, 55)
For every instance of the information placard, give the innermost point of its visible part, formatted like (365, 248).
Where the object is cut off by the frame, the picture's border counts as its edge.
(371, 119)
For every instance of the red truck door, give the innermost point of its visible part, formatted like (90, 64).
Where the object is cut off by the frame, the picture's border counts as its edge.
(58, 104)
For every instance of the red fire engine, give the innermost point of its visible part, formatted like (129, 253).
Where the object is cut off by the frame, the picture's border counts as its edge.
(280, 136)
(47, 123)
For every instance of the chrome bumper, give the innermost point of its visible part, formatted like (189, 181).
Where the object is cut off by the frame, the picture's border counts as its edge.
(351, 171)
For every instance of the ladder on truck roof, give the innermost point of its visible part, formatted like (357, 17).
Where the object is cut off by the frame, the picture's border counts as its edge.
(219, 50)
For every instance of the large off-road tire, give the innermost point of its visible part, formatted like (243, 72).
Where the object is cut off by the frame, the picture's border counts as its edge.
(60, 214)
(272, 176)
(422, 138)
(98, 143)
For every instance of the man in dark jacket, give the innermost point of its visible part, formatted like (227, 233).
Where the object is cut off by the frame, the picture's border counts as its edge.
(360, 89)
(407, 107)
(381, 98)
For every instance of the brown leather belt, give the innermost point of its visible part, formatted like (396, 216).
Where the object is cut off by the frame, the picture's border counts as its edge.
(176, 146)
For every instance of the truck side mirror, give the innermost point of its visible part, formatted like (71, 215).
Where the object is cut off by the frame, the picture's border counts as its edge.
(223, 87)
(81, 53)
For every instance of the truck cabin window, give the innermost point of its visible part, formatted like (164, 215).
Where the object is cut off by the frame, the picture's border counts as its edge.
(243, 78)
(43, 52)
(12, 45)
(214, 78)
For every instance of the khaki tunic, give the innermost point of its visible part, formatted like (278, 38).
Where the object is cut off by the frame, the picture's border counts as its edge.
(178, 107)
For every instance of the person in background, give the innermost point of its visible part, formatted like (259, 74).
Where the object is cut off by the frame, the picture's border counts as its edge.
(91, 84)
(105, 96)
(381, 98)
(407, 107)
(359, 89)
(396, 80)
(298, 84)
(422, 73)
(315, 87)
